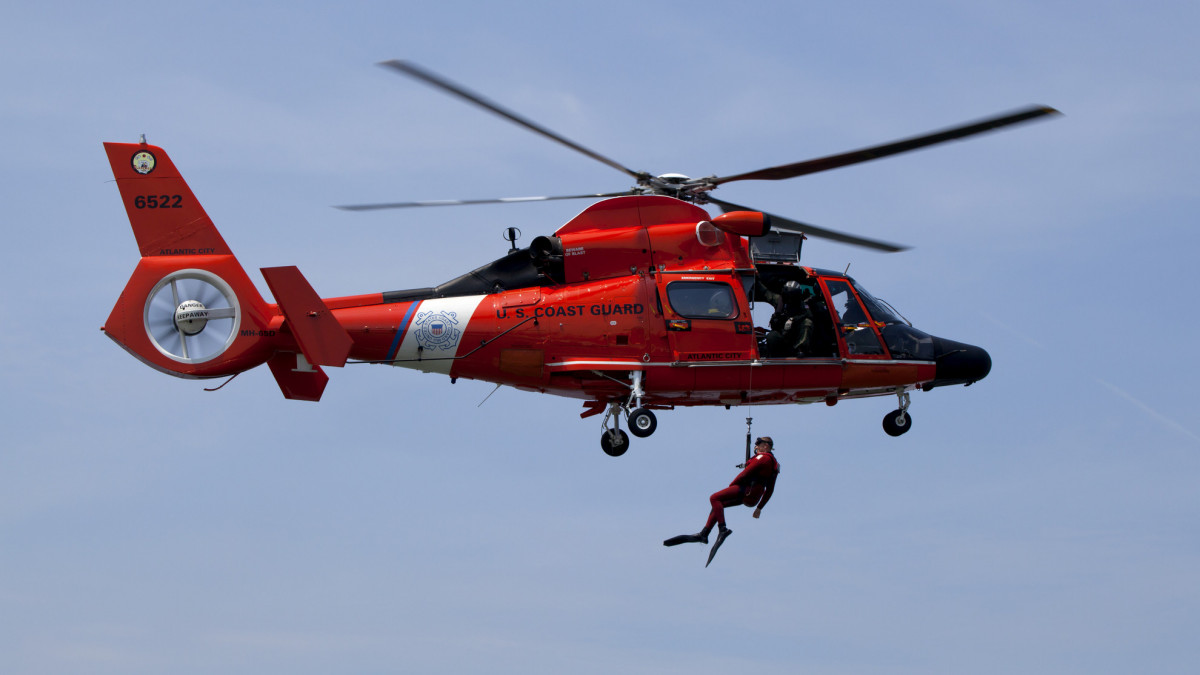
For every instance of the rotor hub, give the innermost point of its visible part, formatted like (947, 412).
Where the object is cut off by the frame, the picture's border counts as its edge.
(191, 316)
(676, 185)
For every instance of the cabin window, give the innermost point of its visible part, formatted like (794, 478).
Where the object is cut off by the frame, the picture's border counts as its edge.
(702, 300)
(854, 322)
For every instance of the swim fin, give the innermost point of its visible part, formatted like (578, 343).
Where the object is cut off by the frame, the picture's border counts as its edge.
(687, 539)
(720, 540)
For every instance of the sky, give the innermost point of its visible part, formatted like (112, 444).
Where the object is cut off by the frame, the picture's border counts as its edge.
(1044, 520)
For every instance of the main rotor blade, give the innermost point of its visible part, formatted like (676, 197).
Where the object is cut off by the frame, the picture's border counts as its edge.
(465, 202)
(878, 151)
(430, 78)
(781, 223)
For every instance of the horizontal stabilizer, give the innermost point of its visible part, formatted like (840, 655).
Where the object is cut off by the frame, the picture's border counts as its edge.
(321, 338)
(298, 379)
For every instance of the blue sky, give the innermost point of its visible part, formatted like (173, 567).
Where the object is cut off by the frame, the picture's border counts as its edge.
(1043, 520)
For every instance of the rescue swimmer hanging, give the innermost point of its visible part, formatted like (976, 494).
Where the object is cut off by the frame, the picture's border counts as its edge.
(752, 487)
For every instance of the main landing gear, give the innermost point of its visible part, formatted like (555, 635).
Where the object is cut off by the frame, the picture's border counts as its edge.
(898, 421)
(641, 421)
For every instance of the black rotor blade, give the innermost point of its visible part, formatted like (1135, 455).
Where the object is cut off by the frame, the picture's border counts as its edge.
(878, 151)
(781, 223)
(466, 202)
(427, 77)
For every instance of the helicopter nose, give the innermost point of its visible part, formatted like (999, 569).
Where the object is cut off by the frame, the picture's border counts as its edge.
(958, 363)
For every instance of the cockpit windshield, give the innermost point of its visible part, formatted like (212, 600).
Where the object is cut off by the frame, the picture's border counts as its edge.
(880, 310)
(903, 340)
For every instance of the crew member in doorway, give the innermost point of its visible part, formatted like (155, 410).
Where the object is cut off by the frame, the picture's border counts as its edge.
(792, 322)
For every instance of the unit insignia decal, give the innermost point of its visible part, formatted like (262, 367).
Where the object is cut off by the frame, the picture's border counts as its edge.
(436, 330)
(143, 162)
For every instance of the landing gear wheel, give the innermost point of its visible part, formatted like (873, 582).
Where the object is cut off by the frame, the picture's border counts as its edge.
(614, 442)
(642, 423)
(897, 422)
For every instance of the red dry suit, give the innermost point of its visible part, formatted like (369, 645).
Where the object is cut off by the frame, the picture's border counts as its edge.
(752, 487)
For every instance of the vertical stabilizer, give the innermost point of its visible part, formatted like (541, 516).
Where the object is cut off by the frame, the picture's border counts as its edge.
(167, 218)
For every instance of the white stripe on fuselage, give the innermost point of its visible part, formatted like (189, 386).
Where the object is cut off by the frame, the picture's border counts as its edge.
(435, 332)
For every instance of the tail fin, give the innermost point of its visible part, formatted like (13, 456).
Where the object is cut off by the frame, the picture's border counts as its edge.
(189, 309)
(166, 217)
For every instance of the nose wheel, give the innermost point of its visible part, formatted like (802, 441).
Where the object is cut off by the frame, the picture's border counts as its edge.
(898, 421)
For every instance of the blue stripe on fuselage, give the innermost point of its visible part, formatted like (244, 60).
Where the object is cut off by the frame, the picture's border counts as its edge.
(401, 330)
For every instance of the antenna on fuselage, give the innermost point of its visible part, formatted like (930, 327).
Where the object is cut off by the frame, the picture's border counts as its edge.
(511, 235)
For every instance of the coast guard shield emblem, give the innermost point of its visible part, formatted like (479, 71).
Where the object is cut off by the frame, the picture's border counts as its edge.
(436, 330)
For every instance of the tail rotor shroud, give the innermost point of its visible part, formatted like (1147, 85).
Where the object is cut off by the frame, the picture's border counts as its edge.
(192, 316)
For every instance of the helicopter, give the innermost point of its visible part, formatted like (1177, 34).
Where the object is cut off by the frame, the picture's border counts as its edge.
(641, 303)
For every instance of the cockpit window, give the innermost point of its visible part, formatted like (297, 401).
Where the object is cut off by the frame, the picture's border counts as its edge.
(702, 299)
(880, 310)
(855, 323)
(902, 340)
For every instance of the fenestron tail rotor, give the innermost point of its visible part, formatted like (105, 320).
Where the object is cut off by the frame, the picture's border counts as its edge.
(192, 316)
